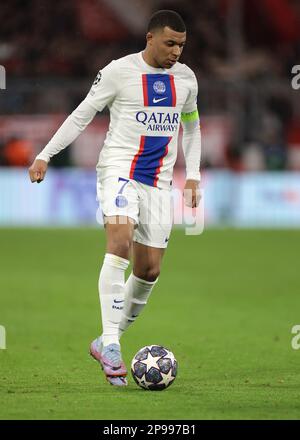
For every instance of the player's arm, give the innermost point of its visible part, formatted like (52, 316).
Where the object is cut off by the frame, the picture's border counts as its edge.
(65, 135)
(191, 145)
(101, 93)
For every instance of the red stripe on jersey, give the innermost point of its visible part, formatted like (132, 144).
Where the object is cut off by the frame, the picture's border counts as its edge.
(157, 171)
(138, 154)
(145, 90)
(173, 90)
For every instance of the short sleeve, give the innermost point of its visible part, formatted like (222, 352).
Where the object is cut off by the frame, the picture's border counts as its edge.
(191, 102)
(105, 87)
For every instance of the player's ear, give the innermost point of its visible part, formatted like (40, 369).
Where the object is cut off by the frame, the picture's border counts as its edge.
(149, 37)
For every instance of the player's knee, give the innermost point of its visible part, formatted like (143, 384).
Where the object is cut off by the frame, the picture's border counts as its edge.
(149, 274)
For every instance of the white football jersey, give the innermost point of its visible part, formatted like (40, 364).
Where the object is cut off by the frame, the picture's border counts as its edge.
(145, 106)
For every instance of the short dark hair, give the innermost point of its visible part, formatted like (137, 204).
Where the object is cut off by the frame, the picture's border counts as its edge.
(165, 17)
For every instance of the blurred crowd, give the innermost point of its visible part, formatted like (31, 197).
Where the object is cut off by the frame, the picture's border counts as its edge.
(74, 37)
(240, 46)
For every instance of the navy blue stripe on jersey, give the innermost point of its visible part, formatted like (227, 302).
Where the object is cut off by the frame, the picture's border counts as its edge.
(159, 90)
(147, 162)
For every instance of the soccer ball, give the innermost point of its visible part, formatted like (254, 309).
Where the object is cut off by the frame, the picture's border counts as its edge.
(154, 367)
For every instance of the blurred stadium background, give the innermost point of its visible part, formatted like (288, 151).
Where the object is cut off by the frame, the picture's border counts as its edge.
(242, 53)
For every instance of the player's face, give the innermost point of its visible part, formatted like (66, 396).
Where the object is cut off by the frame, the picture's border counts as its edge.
(166, 46)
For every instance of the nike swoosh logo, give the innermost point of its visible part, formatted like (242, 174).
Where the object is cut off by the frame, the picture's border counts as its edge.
(116, 301)
(156, 100)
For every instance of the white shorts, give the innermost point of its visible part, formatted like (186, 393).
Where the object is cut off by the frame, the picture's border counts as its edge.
(150, 208)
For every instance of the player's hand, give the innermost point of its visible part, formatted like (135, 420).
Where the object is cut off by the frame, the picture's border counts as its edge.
(191, 193)
(38, 170)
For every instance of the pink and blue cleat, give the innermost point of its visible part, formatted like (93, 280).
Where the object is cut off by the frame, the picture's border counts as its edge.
(111, 362)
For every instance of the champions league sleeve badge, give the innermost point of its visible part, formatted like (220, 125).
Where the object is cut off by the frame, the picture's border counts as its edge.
(98, 78)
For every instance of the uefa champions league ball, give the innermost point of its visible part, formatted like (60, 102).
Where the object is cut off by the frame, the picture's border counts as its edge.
(154, 367)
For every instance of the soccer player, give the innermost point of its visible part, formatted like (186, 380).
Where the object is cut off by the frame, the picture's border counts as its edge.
(148, 94)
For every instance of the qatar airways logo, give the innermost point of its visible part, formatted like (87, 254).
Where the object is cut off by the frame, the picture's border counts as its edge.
(158, 121)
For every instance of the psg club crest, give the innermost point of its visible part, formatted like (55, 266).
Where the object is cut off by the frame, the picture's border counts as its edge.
(159, 87)
(98, 78)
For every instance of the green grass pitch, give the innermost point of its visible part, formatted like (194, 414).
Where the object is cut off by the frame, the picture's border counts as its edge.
(225, 305)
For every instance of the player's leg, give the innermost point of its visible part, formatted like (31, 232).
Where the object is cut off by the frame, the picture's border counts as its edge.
(140, 283)
(106, 349)
(119, 203)
(119, 234)
(150, 241)
(147, 261)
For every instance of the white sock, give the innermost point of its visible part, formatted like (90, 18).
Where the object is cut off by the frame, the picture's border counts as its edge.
(137, 292)
(111, 293)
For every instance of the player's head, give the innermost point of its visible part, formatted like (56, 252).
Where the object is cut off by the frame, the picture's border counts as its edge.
(166, 36)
